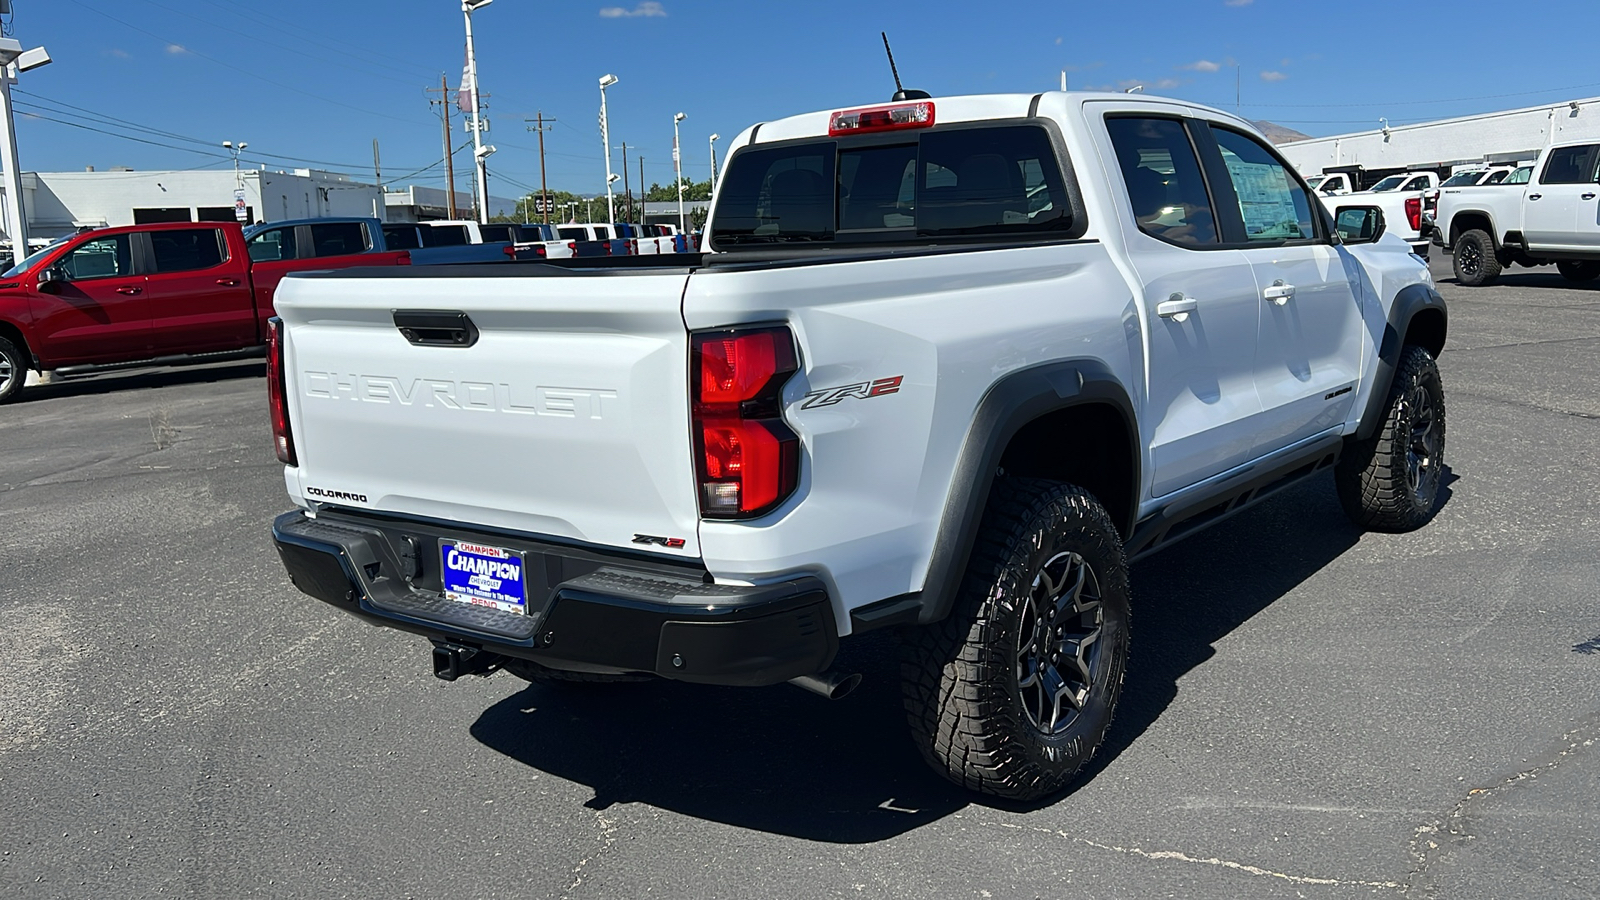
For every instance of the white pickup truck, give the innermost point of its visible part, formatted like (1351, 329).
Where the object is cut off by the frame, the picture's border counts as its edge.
(946, 367)
(1403, 198)
(1553, 217)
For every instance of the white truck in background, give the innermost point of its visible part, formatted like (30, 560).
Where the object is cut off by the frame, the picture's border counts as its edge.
(945, 367)
(1553, 218)
(1402, 197)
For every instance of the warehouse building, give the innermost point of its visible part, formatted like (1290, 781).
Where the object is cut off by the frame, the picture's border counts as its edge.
(1515, 135)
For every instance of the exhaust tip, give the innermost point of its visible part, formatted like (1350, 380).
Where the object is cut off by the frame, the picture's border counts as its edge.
(831, 685)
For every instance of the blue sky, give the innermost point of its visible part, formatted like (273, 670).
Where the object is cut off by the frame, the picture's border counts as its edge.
(318, 81)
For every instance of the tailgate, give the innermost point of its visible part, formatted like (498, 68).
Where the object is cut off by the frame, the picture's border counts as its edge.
(568, 417)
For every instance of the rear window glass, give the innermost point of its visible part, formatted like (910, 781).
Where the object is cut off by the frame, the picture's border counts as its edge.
(338, 239)
(955, 183)
(402, 238)
(187, 250)
(444, 235)
(574, 234)
(495, 232)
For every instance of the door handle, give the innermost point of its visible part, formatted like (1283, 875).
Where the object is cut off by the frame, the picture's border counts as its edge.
(1588, 196)
(1534, 196)
(228, 282)
(130, 290)
(1176, 307)
(1279, 293)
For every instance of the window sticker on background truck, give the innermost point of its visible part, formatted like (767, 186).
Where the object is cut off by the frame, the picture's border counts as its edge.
(483, 576)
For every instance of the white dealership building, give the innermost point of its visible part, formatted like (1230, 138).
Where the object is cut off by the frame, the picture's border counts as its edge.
(1515, 135)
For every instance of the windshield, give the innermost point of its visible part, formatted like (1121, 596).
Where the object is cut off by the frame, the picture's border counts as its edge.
(32, 260)
(1388, 184)
(1461, 178)
(1315, 180)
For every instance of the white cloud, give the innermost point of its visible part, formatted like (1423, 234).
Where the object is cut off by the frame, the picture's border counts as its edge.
(1201, 65)
(1237, 2)
(647, 8)
(1273, 76)
(1058, 42)
(177, 49)
(117, 53)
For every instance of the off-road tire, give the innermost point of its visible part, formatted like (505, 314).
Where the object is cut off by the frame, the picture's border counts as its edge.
(962, 677)
(528, 670)
(1474, 261)
(1384, 482)
(1578, 270)
(14, 365)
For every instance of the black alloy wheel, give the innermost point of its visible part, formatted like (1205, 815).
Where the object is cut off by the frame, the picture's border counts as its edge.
(1426, 445)
(1469, 259)
(1058, 657)
(13, 370)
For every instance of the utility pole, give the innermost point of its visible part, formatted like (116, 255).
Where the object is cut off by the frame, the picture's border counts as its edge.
(644, 192)
(627, 192)
(377, 169)
(449, 156)
(1238, 87)
(544, 189)
(480, 153)
(713, 145)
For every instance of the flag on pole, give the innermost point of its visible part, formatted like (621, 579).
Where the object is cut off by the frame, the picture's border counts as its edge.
(464, 94)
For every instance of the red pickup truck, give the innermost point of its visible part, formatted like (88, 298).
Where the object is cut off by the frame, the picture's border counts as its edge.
(159, 294)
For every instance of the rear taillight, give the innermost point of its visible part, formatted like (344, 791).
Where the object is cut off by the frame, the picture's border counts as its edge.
(572, 247)
(541, 251)
(633, 248)
(747, 460)
(509, 251)
(405, 258)
(278, 393)
(1414, 212)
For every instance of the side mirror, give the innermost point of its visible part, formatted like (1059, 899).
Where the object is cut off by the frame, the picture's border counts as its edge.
(1359, 224)
(54, 275)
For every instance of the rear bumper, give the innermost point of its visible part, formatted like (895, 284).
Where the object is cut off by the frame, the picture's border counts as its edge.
(602, 611)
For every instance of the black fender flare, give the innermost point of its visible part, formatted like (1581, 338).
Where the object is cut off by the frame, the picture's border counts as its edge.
(1412, 300)
(1011, 403)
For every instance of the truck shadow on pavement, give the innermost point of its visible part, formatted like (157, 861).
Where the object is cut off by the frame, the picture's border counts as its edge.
(782, 761)
(107, 383)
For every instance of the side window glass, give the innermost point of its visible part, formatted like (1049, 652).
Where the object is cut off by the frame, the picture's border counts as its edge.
(1495, 178)
(338, 239)
(1569, 165)
(102, 258)
(272, 245)
(1164, 183)
(187, 250)
(1274, 206)
(1416, 184)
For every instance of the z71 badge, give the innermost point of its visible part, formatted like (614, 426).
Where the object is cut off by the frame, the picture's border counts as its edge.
(861, 390)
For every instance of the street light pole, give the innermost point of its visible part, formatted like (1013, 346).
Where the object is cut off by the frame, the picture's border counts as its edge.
(713, 143)
(478, 155)
(236, 149)
(605, 144)
(677, 166)
(14, 60)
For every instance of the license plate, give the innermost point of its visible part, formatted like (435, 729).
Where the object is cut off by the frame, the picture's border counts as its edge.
(483, 576)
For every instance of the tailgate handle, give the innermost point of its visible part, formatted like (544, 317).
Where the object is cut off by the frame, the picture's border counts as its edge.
(436, 327)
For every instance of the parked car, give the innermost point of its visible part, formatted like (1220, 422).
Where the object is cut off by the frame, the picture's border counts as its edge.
(162, 294)
(1554, 218)
(1331, 184)
(953, 402)
(1472, 176)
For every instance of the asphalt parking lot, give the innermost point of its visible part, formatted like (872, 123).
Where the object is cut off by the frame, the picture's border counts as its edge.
(1310, 711)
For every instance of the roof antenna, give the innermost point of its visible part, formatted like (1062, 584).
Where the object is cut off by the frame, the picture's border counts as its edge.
(900, 93)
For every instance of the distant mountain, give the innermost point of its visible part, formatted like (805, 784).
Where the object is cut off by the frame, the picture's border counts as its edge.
(1279, 134)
